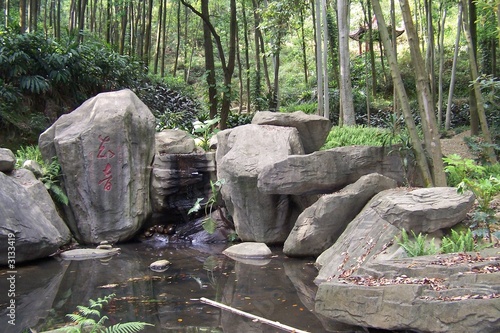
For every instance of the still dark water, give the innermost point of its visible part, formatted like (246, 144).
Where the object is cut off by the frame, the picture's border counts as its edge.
(279, 289)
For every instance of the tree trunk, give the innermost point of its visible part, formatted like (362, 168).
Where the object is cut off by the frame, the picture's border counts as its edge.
(158, 37)
(303, 47)
(430, 52)
(429, 127)
(22, 15)
(164, 38)
(473, 102)
(477, 88)
(326, 96)
(209, 62)
(345, 67)
(247, 57)
(454, 68)
(319, 59)
(124, 22)
(441, 62)
(178, 46)
(403, 98)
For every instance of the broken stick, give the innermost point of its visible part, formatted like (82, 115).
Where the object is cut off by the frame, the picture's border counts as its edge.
(251, 316)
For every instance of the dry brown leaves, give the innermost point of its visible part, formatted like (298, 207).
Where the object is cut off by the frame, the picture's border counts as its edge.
(433, 283)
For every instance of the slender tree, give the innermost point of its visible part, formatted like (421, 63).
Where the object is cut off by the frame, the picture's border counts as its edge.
(345, 67)
(227, 66)
(454, 67)
(418, 149)
(426, 106)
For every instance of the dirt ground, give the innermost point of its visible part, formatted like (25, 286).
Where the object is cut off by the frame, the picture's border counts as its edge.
(457, 145)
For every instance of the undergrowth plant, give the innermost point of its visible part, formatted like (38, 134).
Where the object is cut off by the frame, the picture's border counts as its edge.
(458, 242)
(203, 131)
(51, 172)
(209, 224)
(356, 135)
(419, 246)
(473, 177)
(89, 319)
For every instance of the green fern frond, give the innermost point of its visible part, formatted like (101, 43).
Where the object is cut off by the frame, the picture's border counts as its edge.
(127, 327)
(59, 194)
(86, 311)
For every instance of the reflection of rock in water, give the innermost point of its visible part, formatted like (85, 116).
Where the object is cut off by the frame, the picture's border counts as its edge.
(277, 302)
(298, 272)
(36, 287)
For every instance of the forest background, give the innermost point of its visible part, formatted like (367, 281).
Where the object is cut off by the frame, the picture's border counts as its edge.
(225, 59)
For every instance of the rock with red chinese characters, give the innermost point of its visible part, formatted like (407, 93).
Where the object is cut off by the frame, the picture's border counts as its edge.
(105, 148)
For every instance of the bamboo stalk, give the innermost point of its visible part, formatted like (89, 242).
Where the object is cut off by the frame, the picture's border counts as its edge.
(251, 316)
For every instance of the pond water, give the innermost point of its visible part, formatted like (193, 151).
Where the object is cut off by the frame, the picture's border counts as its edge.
(279, 289)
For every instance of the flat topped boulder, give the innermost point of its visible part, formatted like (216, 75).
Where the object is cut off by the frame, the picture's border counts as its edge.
(248, 250)
(171, 141)
(313, 129)
(85, 254)
(329, 170)
(105, 149)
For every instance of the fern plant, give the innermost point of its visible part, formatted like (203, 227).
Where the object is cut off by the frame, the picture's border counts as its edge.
(89, 319)
(418, 246)
(51, 172)
(458, 242)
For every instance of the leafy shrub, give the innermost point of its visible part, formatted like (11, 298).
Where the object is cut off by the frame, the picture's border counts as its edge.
(238, 119)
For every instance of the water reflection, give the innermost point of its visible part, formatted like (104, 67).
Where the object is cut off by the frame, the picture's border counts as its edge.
(280, 290)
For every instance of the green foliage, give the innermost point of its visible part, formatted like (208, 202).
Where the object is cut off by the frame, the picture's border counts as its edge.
(203, 131)
(89, 319)
(459, 242)
(356, 135)
(457, 169)
(238, 119)
(51, 172)
(418, 246)
(473, 177)
(209, 224)
(308, 108)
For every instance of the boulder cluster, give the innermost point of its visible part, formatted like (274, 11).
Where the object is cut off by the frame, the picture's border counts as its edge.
(344, 206)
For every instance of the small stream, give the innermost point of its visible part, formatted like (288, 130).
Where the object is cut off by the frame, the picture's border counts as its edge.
(279, 289)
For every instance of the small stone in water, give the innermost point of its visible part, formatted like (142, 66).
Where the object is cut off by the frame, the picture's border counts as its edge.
(160, 265)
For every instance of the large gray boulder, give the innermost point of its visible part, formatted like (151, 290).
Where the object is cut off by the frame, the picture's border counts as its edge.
(383, 218)
(7, 160)
(313, 129)
(30, 224)
(318, 226)
(242, 153)
(330, 170)
(105, 148)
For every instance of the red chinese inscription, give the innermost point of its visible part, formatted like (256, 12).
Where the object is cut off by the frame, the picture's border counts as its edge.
(105, 153)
